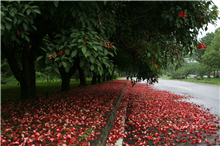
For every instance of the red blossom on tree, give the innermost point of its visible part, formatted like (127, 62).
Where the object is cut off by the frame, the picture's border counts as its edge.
(201, 46)
(182, 14)
(201, 20)
(146, 35)
(18, 31)
(153, 62)
(60, 52)
(84, 43)
(100, 22)
(50, 57)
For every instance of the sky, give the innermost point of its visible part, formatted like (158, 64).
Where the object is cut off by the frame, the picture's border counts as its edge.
(211, 28)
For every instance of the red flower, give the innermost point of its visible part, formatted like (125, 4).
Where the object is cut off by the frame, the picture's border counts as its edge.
(18, 32)
(201, 20)
(100, 22)
(182, 14)
(84, 43)
(176, 48)
(50, 57)
(146, 35)
(60, 52)
(201, 46)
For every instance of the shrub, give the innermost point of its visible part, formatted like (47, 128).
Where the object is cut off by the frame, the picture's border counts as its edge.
(176, 74)
(115, 75)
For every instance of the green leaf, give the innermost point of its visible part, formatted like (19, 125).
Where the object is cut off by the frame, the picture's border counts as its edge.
(148, 54)
(73, 54)
(74, 40)
(8, 26)
(35, 28)
(27, 38)
(39, 58)
(13, 37)
(74, 14)
(106, 52)
(15, 20)
(56, 70)
(92, 59)
(9, 19)
(64, 64)
(12, 13)
(171, 18)
(37, 11)
(84, 50)
(92, 67)
(80, 40)
(86, 71)
(60, 64)
(48, 68)
(67, 51)
(28, 11)
(70, 60)
(81, 64)
(94, 48)
(56, 3)
(67, 69)
(72, 45)
(57, 58)
(25, 26)
(178, 25)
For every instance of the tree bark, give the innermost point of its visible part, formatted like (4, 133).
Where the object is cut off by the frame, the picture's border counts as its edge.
(67, 76)
(99, 79)
(65, 79)
(82, 77)
(94, 78)
(108, 77)
(111, 76)
(103, 79)
(26, 75)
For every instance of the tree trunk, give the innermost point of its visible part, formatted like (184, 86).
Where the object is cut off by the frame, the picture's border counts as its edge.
(94, 78)
(27, 82)
(103, 79)
(65, 83)
(111, 76)
(65, 77)
(82, 77)
(99, 79)
(107, 77)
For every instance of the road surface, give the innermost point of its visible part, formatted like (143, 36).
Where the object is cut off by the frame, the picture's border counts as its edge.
(208, 95)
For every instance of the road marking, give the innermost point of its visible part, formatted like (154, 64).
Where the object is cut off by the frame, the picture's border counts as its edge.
(185, 88)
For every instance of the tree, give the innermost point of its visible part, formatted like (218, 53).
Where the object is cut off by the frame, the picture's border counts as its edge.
(152, 38)
(211, 58)
(197, 55)
(158, 32)
(21, 35)
(201, 70)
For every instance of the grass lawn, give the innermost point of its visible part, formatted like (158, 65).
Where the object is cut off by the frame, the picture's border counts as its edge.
(11, 90)
(210, 81)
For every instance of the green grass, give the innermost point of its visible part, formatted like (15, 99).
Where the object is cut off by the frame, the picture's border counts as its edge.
(210, 81)
(11, 90)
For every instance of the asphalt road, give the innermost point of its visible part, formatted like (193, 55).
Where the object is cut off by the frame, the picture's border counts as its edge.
(207, 95)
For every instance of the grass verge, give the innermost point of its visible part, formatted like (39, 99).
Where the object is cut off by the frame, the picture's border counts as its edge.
(209, 81)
